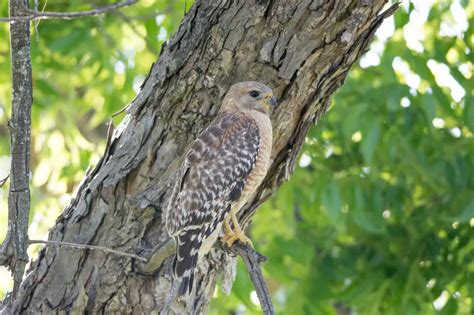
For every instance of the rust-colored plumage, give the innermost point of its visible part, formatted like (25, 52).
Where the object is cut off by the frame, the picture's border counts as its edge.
(224, 166)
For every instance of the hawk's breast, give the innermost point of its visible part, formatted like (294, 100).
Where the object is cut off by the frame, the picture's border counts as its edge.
(262, 163)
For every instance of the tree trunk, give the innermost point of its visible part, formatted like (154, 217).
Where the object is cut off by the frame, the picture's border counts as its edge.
(303, 49)
(13, 251)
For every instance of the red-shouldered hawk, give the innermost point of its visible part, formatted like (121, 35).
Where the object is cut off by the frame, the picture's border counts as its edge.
(224, 166)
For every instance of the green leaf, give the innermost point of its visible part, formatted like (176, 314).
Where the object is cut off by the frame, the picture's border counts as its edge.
(468, 213)
(469, 110)
(370, 139)
(429, 108)
(331, 200)
(401, 18)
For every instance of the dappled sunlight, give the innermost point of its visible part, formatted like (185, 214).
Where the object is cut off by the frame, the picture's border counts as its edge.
(406, 75)
(444, 78)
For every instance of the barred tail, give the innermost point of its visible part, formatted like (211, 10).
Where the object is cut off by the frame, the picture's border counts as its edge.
(186, 283)
(185, 262)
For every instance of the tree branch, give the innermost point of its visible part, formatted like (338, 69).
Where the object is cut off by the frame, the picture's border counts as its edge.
(13, 252)
(86, 246)
(35, 15)
(252, 260)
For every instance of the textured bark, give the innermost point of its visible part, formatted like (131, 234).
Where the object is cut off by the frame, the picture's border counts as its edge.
(303, 49)
(13, 252)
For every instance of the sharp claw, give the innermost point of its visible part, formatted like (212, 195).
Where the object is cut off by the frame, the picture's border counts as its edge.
(233, 235)
(230, 239)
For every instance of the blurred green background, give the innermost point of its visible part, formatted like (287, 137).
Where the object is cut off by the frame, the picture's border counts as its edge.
(379, 215)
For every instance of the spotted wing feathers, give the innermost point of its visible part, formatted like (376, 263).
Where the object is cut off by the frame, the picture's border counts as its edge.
(212, 177)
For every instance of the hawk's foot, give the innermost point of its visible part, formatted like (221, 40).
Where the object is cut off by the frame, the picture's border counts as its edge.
(229, 239)
(231, 236)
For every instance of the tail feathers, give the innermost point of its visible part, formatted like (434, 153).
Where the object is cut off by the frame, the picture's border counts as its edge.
(186, 261)
(188, 244)
(186, 283)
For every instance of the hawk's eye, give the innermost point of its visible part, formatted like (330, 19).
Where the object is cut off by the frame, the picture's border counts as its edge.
(254, 94)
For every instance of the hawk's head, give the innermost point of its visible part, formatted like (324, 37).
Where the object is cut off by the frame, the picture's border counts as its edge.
(249, 95)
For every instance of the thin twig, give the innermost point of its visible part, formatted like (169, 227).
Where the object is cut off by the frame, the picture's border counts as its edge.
(36, 15)
(4, 180)
(252, 259)
(85, 246)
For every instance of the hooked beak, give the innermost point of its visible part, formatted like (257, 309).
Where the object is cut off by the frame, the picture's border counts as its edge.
(271, 100)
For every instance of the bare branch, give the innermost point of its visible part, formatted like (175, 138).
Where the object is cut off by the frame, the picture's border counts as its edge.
(36, 15)
(252, 259)
(85, 246)
(13, 252)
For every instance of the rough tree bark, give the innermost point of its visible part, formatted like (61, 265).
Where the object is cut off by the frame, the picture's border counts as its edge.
(303, 49)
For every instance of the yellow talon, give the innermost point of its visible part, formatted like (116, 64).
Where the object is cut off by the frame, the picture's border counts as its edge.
(233, 235)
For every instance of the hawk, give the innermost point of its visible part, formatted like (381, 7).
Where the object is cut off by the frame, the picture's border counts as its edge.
(221, 170)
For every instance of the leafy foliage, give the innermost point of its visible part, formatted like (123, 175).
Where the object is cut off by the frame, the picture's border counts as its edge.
(379, 216)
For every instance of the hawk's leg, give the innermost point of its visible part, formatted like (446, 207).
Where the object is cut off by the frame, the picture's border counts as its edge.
(233, 235)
